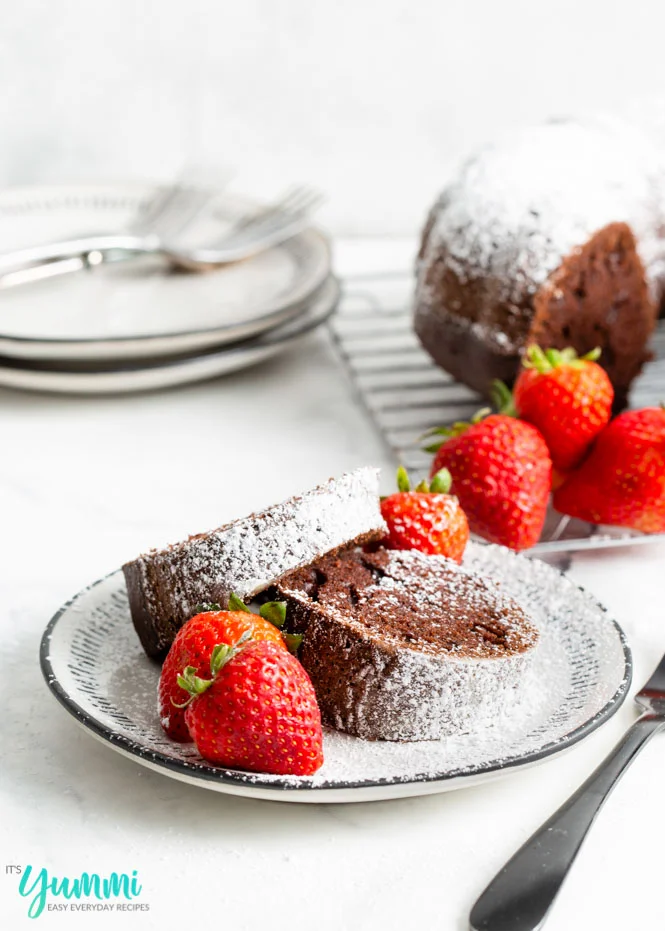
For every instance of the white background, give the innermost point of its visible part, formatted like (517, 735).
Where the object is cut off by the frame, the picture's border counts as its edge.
(369, 99)
(372, 102)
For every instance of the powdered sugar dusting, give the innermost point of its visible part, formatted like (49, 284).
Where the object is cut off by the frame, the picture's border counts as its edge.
(442, 589)
(518, 208)
(578, 671)
(425, 650)
(247, 555)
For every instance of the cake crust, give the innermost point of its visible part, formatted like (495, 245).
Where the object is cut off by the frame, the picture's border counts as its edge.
(248, 555)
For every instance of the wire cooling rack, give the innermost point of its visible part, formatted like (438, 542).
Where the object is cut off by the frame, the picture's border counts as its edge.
(405, 393)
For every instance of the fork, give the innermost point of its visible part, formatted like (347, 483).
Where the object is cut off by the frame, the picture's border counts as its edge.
(253, 232)
(521, 894)
(156, 233)
(169, 212)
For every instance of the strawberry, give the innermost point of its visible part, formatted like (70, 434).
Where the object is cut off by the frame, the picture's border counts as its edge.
(193, 647)
(622, 482)
(502, 475)
(569, 399)
(426, 519)
(558, 478)
(258, 711)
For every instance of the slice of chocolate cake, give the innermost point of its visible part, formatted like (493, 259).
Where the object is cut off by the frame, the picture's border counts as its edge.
(404, 646)
(249, 554)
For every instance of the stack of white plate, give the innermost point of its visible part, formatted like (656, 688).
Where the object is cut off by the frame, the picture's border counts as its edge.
(138, 325)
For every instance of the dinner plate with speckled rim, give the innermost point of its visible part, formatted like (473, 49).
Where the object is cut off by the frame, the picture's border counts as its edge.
(143, 307)
(94, 665)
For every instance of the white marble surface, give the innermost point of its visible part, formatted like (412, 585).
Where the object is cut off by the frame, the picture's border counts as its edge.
(369, 100)
(85, 484)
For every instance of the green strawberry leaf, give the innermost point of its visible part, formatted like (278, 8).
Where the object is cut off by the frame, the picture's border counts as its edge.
(292, 642)
(502, 398)
(237, 604)
(220, 655)
(403, 483)
(190, 682)
(274, 611)
(441, 482)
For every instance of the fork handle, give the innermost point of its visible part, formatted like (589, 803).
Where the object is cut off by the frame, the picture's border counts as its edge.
(71, 248)
(522, 893)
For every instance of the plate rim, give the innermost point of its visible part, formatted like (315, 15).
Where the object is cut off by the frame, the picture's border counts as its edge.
(29, 347)
(166, 372)
(247, 782)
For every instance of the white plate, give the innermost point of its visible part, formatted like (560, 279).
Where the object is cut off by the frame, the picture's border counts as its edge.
(149, 375)
(94, 665)
(141, 307)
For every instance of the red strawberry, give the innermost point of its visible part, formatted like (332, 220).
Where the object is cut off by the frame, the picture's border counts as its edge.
(426, 519)
(257, 712)
(502, 475)
(193, 647)
(558, 478)
(622, 482)
(569, 399)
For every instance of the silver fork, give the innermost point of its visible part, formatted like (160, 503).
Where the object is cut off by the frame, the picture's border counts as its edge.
(522, 893)
(169, 212)
(254, 231)
(156, 233)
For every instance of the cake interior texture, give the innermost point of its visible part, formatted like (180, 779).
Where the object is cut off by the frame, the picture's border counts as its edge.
(399, 600)
(553, 235)
(597, 297)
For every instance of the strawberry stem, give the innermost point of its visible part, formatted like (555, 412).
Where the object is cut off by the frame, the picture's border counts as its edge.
(403, 481)
(440, 484)
(480, 415)
(502, 398)
(205, 607)
(536, 358)
(190, 682)
(544, 360)
(456, 429)
(222, 653)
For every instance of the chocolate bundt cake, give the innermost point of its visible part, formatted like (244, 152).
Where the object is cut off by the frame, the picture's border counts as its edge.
(404, 646)
(247, 555)
(554, 238)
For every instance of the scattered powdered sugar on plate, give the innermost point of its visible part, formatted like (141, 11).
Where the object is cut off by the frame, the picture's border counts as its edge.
(93, 662)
